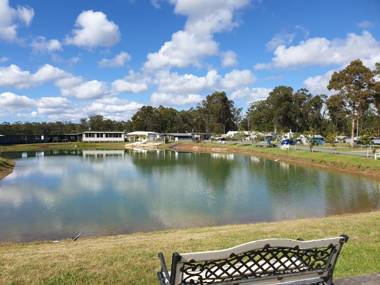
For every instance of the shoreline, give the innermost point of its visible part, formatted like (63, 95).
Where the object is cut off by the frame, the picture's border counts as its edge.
(132, 258)
(301, 158)
(6, 167)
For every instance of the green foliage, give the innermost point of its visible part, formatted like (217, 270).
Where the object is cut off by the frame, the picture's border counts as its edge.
(286, 110)
(330, 138)
(355, 85)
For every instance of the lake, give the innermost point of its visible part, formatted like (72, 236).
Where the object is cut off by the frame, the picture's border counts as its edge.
(58, 194)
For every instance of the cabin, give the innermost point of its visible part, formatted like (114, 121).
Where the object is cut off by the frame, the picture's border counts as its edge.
(143, 136)
(93, 136)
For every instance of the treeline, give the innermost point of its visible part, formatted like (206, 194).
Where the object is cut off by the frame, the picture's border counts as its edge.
(216, 114)
(353, 108)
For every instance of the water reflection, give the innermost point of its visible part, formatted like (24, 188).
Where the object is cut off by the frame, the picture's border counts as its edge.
(57, 194)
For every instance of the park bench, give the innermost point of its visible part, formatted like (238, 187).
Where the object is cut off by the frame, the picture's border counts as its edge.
(269, 261)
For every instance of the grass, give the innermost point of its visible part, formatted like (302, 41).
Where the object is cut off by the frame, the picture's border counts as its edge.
(132, 259)
(358, 165)
(6, 167)
(61, 146)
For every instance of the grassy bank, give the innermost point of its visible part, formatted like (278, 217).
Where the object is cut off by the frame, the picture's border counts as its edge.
(358, 165)
(61, 146)
(6, 167)
(131, 259)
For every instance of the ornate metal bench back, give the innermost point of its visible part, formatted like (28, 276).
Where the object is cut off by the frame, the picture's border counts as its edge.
(258, 261)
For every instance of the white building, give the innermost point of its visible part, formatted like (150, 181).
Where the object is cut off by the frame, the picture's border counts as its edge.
(142, 136)
(103, 137)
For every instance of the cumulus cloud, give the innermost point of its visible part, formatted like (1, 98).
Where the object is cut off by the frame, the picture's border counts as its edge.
(93, 29)
(322, 51)
(84, 89)
(174, 99)
(196, 41)
(52, 105)
(113, 107)
(172, 82)
(14, 76)
(229, 58)
(69, 84)
(132, 83)
(10, 102)
(41, 44)
(237, 78)
(318, 84)
(122, 85)
(10, 18)
(118, 61)
(251, 94)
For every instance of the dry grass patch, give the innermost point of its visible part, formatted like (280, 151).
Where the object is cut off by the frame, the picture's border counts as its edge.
(132, 259)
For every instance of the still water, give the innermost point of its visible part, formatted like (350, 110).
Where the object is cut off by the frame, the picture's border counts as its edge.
(54, 195)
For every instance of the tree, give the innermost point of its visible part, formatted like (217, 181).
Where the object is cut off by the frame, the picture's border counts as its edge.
(219, 113)
(260, 117)
(337, 113)
(355, 84)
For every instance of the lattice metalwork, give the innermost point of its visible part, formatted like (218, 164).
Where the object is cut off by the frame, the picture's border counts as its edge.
(258, 263)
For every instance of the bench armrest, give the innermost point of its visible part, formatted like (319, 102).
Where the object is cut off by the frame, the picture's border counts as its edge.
(164, 269)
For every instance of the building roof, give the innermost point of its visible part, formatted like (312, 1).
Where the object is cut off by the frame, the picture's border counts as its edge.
(141, 133)
(109, 132)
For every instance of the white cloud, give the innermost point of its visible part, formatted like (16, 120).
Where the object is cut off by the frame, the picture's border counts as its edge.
(171, 82)
(156, 3)
(251, 94)
(41, 44)
(196, 41)
(229, 58)
(14, 76)
(285, 38)
(236, 79)
(69, 85)
(10, 19)
(318, 84)
(52, 105)
(13, 102)
(84, 89)
(117, 61)
(93, 29)
(280, 39)
(113, 107)
(133, 82)
(174, 100)
(122, 85)
(181, 84)
(47, 73)
(3, 59)
(25, 14)
(365, 25)
(321, 51)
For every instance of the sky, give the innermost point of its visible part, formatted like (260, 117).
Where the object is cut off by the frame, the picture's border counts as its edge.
(66, 60)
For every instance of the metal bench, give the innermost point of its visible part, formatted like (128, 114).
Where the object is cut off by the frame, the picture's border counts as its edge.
(270, 261)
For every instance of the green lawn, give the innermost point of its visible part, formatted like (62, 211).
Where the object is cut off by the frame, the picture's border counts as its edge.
(341, 162)
(61, 146)
(132, 259)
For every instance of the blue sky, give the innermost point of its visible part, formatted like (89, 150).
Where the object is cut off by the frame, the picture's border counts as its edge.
(64, 60)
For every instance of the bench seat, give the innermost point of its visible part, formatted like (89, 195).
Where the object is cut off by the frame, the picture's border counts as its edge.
(276, 261)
